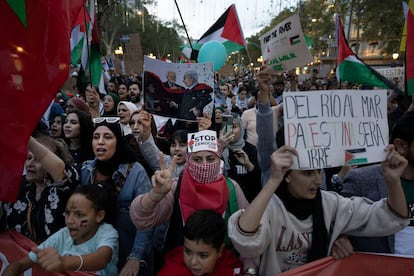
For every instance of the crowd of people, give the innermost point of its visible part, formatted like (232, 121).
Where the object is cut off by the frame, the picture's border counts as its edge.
(107, 188)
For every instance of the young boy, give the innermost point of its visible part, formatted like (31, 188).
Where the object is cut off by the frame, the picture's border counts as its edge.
(203, 252)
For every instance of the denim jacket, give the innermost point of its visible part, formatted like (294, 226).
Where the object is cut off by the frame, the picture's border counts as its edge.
(132, 243)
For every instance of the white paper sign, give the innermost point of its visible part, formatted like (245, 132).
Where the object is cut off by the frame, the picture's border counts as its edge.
(336, 127)
(202, 140)
(284, 47)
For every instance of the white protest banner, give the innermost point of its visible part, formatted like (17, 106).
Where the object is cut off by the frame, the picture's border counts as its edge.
(284, 47)
(336, 127)
(393, 72)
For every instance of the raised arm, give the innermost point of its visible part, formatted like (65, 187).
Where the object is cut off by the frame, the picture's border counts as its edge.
(50, 161)
(393, 167)
(153, 208)
(281, 161)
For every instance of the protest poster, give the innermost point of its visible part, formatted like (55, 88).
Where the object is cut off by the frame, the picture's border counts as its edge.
(178, 90)
(284, 47)
(336, 127)
(393, 73)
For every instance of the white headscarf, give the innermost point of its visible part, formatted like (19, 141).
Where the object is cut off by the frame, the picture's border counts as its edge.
(131, 107)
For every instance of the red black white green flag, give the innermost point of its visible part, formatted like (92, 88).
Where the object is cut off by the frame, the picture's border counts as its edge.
(352, 69)
(35, 54)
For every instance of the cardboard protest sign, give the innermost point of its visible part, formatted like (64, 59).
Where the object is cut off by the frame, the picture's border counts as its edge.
(284, 47)
(178, 90)
(336, 127)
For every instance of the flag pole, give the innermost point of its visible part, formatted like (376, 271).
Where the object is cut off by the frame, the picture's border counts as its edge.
(87, 43)
(185, 29)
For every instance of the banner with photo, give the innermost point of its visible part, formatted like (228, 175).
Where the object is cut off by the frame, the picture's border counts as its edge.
(284, 47)
(178, 90)
(331, 128)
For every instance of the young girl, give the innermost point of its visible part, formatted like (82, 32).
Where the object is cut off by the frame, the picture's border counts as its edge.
(87, 243)
(78, 130)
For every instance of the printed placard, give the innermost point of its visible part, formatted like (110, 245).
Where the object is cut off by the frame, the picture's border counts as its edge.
(336, 127)
(284, 47)
(202, 140)
(178, 90)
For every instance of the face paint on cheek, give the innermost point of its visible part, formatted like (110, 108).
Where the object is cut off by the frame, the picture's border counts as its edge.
(83, 223)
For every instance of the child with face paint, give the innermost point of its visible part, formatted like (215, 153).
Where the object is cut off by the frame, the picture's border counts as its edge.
(87, 243)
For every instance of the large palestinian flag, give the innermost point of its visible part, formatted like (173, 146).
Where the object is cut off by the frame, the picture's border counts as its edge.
(351, 68)
(226, 30)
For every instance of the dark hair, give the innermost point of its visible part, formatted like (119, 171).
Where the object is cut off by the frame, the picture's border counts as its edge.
(102, 196)
(124, 153)
(180, 136)
(403, 128)
(86, 131)
(279, 82)
(135, 82)
(207, 226)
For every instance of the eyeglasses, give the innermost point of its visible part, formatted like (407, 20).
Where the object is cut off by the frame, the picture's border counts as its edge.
(110, 120)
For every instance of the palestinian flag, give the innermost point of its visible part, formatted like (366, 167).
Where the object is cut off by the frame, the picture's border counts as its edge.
(409, 51)
(85, 46)
(351, 68)
(77, 38)
(226, 30)
(35, 56)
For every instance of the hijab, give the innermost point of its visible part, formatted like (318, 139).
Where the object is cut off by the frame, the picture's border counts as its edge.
(114, 111)
(123, 153)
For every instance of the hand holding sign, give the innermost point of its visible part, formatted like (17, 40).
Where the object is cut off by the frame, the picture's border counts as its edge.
(282, 160)
(204, 122)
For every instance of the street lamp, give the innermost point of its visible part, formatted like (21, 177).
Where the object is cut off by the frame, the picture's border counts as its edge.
(395, 56)
(119, 52)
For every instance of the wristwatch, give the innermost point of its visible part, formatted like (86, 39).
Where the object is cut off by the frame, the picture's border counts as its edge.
(251, 271)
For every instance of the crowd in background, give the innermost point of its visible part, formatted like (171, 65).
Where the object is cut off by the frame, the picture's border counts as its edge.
(89, 137)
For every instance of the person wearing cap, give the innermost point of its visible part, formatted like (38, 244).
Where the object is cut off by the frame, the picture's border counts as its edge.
(201, 186)
(116, 163)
